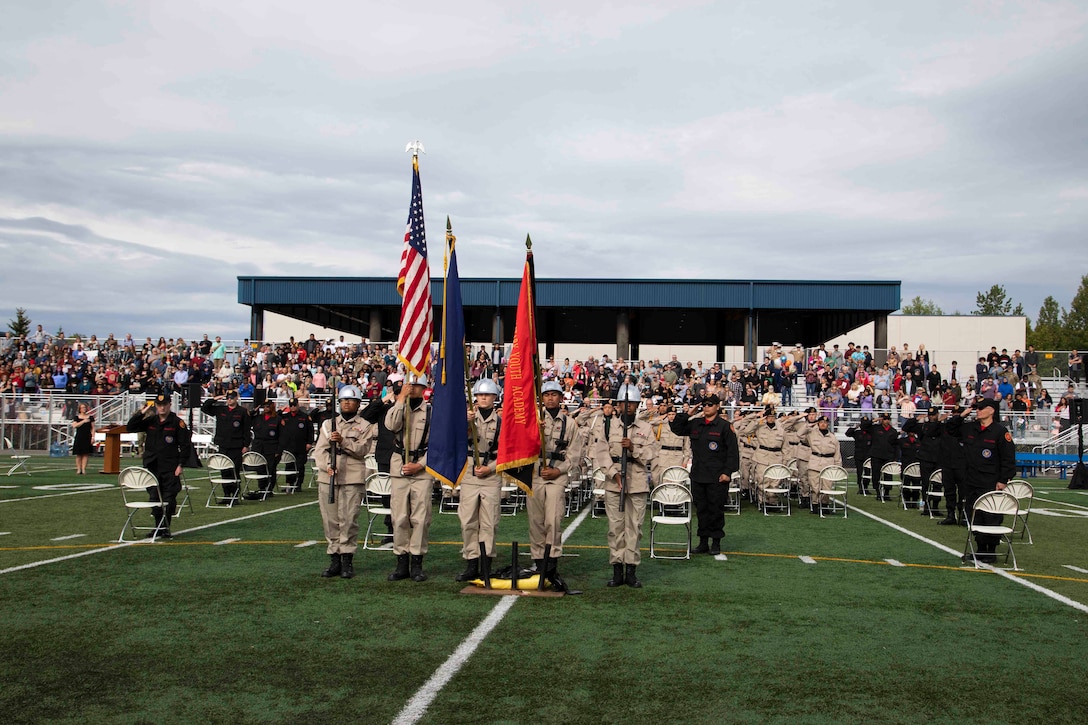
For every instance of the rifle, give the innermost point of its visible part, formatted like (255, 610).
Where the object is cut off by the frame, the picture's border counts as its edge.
(623, 467)
(333, 451)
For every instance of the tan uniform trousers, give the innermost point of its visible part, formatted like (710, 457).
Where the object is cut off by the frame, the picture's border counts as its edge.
(341, 519)
(625, 529)
(664, 460)
(479, 514)
(411, 507)
(802, 472)
(546, 508)
(817, 464)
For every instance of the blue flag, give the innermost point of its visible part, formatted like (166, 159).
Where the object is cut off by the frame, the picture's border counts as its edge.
(447, 452)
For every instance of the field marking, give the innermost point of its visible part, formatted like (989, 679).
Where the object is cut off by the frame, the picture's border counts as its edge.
(55, 495)
(122, 545)
(4, 533)
(895, 562)
(69, 536)
(807, 559)
(1061, 503)
(225, 541)
(1000, 572)
(418, 704)
(1076, 568)
(304, 544)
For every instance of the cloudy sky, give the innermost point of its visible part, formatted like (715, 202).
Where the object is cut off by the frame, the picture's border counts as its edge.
(151, 152)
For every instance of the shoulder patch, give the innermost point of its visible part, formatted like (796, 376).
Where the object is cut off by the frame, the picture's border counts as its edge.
(1008, 436)
(181, 424)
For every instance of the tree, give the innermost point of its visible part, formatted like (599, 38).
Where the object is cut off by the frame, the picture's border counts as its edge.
(20, 326)
(1075, 319)
(1046, 333)
(919, 306)
(996, 302)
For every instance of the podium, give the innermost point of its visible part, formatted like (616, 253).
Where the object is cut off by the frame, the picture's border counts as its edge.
(111, 456)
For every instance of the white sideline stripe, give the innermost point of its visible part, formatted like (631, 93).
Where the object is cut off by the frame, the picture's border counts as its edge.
(895, 562)
(4, 533)
(9, 487)
(1061, 503)
(69, 536)
(417, 706)
(1001, 572)
(54, 495)
(121, 545)
(807, 559)
(225, 541)
(304, 544)
(1075, 568)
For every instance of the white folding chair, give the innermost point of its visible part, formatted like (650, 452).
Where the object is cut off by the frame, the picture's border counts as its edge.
(220, 474)
(449, 501)
(371, 463)
(136, 484)
(598, 493)
(18, 465)
(888, 479)
(671, 506)
(377, 486)
(255, 470)
(732, 503)
(992, 502)
(1025, 494)
(676, 474)
(776, 482)
(833, 484)
(795, 479)
(936, 492)
(186, 490)
(866, 481)
(911, 483)
(288, 467)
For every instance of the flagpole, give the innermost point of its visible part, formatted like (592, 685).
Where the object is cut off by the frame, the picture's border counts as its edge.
(415, 147)
(538, 381)
(450, 241)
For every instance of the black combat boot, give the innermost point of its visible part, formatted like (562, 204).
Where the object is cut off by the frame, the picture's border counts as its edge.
(472, 571)
(948, 520)
(417, 569)
(552, 573)
(347, 570)
(702, 548)
(617, 576)
(334, 566)
(632, 580)
(715, 547)
(401, 572)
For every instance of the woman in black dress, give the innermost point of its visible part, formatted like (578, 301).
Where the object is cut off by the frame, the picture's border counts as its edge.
(84, 438)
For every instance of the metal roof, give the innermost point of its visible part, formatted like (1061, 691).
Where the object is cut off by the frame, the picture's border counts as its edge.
(868, 296)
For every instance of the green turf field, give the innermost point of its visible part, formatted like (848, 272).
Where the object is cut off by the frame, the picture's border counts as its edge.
(197, 630)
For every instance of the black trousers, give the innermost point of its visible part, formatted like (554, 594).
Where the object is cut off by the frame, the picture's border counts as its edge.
(166, 494)
(709, 499)
(954, 493)
(299, 477)
(928, 467)
(272, 459)
(984, 543)
(235, 456)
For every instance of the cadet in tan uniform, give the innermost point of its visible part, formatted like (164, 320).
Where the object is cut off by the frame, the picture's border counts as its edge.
(674, 450)
(562, 450)
(747, 445)
(769, 438)
(607, 452)
(825, 452)
(797, 428)
(354, 439)
(481, 489)
(412, 487)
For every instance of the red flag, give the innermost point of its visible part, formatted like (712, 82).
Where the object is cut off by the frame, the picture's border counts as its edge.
(519, 438)
(414, 285)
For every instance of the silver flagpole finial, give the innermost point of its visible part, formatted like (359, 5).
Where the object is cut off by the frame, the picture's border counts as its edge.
(416, 147)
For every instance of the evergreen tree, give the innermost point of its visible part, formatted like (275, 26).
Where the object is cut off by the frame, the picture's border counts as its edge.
(20, 326)
(1075, 320)
(995, 302)
(1046, 333)
(919, 306)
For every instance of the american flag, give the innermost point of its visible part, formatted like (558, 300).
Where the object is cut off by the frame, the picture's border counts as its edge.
(414, 285)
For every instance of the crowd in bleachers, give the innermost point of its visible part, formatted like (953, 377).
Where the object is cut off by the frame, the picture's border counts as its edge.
(846, 383)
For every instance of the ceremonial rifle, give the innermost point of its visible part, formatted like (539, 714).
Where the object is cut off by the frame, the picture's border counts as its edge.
(623, 465)
(333, 450)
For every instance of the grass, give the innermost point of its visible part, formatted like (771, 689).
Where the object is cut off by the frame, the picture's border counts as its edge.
(190, 631)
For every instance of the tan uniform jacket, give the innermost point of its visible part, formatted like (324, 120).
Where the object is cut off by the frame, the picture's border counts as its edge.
(825, 449)
(487, 445)
(416, 449)
(359, 439)
(606, 454)
(562, 452)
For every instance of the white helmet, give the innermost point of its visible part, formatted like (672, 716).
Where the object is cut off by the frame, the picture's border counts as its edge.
(485, 386)
(628, 394)
(349, 392)
(551, 387)
(420, 379)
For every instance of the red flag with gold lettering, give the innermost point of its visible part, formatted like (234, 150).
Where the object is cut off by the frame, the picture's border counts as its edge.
(519, 437)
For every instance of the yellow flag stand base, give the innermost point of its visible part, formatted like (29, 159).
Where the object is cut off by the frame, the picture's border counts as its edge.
(501, 587)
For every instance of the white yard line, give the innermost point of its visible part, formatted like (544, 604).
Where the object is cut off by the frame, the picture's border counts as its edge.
(121, 545)
(417, 706)
(1000, 572)
(807, 559)
(1060, 503)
